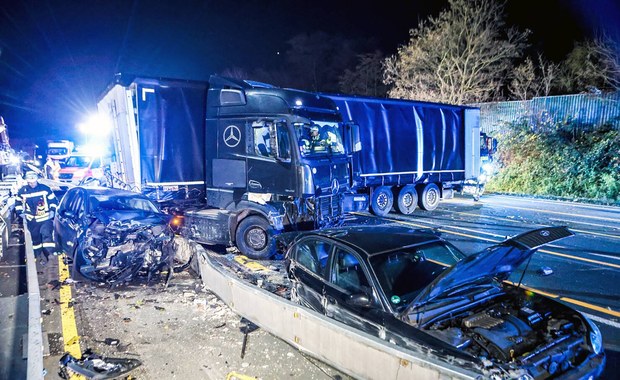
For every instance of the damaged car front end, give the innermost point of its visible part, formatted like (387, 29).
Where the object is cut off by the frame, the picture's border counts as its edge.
(114, 236)
(415, 290)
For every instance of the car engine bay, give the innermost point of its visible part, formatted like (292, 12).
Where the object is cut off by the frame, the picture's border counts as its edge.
(117, 251)
(519, 331)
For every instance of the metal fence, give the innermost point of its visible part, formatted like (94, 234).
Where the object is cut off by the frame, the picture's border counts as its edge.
(581, 111)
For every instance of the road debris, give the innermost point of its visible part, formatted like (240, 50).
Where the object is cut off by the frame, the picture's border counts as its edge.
(93, 366)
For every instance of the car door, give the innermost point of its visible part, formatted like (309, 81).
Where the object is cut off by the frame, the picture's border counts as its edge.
(61, 228)
(309, 260)
(348, 277)
(70, 221)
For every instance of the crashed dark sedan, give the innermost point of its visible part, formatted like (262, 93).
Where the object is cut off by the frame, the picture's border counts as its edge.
(413, 289)
(113, 235)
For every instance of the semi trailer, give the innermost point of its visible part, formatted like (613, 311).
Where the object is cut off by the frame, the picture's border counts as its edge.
(413, 153)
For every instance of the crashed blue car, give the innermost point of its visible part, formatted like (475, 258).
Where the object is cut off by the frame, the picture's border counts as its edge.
(113, 235)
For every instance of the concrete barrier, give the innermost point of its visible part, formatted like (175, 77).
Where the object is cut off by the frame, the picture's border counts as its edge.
(35, 333)
(351, 351)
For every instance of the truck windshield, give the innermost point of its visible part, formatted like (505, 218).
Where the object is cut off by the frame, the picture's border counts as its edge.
(319, 139)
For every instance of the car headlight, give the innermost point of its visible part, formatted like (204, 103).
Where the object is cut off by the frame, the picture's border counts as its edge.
(596, 339)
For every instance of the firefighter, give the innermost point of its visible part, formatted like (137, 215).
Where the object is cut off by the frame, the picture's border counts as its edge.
(37, 204)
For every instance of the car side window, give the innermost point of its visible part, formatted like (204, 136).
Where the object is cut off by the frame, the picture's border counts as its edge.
(313, 255)
(65, 203)
(77, 205)
(347, 273)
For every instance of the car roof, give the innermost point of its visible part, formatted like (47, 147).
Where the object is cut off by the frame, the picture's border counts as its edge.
(373, 240)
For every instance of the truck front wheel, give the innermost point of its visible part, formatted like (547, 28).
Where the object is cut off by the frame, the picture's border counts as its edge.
(254, 238)
(382, 200)
(429, 199)
(407, 199)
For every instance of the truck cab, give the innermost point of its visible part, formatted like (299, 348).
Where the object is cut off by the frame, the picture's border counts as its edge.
(263, 166)
(241, 146)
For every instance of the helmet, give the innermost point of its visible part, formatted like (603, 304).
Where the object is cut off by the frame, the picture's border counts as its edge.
(31, 176)
(314, 128)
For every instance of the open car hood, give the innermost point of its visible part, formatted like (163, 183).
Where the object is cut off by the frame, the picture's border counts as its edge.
(496, 262)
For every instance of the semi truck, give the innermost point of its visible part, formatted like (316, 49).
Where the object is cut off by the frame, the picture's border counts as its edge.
(240, 148)
(414, 153)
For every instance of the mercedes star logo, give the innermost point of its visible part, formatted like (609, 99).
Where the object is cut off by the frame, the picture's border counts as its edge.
(232, 136)
(544, 233)
(335, 186)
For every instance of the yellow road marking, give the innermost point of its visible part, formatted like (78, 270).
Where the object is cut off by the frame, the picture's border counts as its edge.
(69, 327)
(252, 265)
(580, 258)
(590, 306)
(596, 233)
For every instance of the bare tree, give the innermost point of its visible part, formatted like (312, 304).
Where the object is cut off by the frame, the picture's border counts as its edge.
(524, 84)
(549, 72)
(461, 56)
(366, 78)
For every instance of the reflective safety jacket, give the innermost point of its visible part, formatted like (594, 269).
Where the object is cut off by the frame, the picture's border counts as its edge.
(37, 203)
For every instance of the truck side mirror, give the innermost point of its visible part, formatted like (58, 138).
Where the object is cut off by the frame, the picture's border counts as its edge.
(355, 143)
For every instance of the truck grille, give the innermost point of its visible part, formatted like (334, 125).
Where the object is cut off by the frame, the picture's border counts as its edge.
(329, 207)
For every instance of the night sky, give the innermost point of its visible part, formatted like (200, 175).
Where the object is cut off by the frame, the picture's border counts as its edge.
(57, 56)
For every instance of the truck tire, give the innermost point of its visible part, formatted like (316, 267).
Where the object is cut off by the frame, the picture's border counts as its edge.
(429, 199)
(254, 238)
(382, 201)
(407, 200)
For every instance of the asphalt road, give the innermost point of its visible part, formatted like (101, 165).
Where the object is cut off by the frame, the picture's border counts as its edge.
(187, 321)
(586, 267)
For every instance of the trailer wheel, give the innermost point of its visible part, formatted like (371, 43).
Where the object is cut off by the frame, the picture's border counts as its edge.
(429, 199)
(254, 238)
(407, 200)
(382, 200)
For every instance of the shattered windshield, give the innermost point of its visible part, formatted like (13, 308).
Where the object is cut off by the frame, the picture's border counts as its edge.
(319, 139)
(402, 274)
(124, 203)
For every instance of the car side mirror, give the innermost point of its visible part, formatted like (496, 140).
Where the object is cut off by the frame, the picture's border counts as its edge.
(360, 300)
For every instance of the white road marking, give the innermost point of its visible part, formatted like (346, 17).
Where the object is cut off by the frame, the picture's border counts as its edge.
(563, 203)
(602, 320)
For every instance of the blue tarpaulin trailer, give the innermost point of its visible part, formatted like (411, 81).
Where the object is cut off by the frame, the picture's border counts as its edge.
(412, 152)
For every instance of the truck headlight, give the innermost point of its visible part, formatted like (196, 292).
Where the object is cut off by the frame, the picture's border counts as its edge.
(487, 168)
(596, 339)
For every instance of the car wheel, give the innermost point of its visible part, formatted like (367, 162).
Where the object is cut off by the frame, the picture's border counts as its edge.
(429, 199)
(407, 200)
(254, 238)
(382, 201)
(78, 261)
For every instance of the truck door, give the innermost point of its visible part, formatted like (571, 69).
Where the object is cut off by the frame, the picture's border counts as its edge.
(270, 168)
